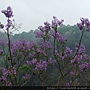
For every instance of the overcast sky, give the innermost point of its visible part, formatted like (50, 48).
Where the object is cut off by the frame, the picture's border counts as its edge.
(32, 13)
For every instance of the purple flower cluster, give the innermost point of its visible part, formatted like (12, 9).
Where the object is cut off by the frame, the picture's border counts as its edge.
(46, 27)
(58, 36)
(4, 76)
(9, 24)
(6, 72)
(56, 53)
(86, 57)
(46, 45)
(62, 57)
(32, 44)
(40, 51)
(45, 30)
(56, 22)
(41, 65)
(51, 61)
(80, 26)
(2, 79)
(21, 46)
(67, 52)
(81, 49)
(31, 55)
(84, 22)
(39, 34)
(84, 66)
(8, 13)
(13, 71)
(77, 59)
(32, 62)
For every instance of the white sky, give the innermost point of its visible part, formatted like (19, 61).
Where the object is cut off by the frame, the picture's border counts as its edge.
(32, 13)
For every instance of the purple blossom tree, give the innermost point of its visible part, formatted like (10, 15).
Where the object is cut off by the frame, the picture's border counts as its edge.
(26, 59)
